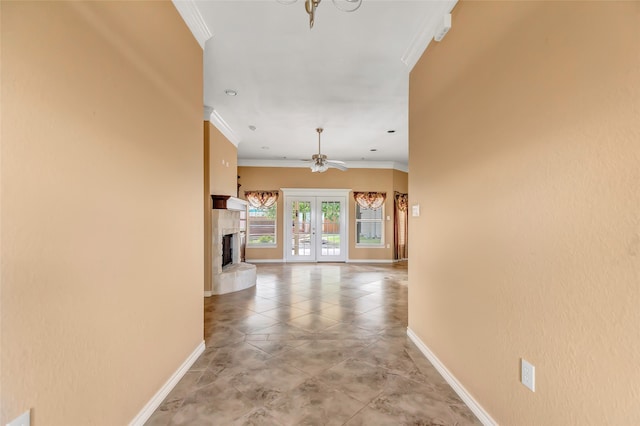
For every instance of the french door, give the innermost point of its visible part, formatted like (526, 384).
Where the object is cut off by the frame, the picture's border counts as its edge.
(315, 227)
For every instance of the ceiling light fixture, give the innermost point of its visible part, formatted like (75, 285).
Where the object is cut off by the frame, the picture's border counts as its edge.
(231, 92)
(320, 162)
(311, 5)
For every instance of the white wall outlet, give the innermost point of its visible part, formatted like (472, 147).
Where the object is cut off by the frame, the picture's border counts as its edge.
(528, 374)
(23, 420)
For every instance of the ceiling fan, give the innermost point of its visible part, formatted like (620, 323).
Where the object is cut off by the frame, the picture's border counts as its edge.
(319, 161)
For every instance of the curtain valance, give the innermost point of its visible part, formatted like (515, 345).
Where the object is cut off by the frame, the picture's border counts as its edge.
(370, 200)
(261, 199)
(401, 201)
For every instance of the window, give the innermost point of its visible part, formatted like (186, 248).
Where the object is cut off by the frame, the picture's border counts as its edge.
(262, 226)
(369, 227)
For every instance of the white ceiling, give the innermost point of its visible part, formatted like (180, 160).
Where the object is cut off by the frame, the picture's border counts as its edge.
(349, 75)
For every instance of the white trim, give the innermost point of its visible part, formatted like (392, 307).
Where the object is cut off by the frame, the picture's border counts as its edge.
(206, 113)
(464, 394)
(313, 192)
(190, 13)
(225, 129)
(427, 31)
(236, 204)
(248, 162)
(208, 293)
(306, 261)
(157, 399)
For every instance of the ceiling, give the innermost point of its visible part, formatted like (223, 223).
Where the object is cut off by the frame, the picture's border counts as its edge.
(348, 75)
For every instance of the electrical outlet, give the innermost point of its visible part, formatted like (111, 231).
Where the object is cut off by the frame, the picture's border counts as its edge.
(528, 374)
(23, 420)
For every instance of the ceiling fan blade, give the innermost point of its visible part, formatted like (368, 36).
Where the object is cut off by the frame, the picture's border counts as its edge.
(336, 161)
(337, 166)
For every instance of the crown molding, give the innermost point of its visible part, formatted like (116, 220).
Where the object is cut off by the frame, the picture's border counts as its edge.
(207, 110)
(422, 39)
(300, 164)
(190, 13)
(224, 128)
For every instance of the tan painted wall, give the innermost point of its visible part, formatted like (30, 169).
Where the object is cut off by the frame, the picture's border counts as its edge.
(208, 203)
(400, 181)
(221, 178)
(101, 207)
(267, 178)
(524, 156)
(223, 163)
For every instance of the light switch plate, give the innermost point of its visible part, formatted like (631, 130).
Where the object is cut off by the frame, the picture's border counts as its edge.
(23, 420)
(415, 210)
(528, 374)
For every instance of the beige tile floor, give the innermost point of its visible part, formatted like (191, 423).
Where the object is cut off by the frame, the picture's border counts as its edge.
(313, 344)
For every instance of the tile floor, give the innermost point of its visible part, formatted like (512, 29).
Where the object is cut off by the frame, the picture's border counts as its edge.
(313, 344)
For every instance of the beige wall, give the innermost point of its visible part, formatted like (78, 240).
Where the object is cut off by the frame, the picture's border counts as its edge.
(208, 204)
(220, 178)
(524, 154)
(268, 178)
(101, 207)
(400, 181)
(223, 164)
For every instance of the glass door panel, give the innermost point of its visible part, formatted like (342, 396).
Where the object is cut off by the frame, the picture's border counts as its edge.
(330, 230)
(302, 229)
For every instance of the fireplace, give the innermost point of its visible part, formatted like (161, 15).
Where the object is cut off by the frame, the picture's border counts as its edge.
(227, 249)
(228, 271)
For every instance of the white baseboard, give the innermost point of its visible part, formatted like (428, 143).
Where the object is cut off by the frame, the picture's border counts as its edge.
(473, 405)
(208, 293)
(307, 261)
(157, 399)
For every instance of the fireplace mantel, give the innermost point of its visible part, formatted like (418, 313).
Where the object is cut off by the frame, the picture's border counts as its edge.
(227, 202)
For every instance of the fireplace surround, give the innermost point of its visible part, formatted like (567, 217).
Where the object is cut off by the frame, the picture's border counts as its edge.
(226, 223)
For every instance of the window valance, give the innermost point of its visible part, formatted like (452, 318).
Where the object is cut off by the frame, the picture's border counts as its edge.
(370, 200)
(261, 199)
(401, 201)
